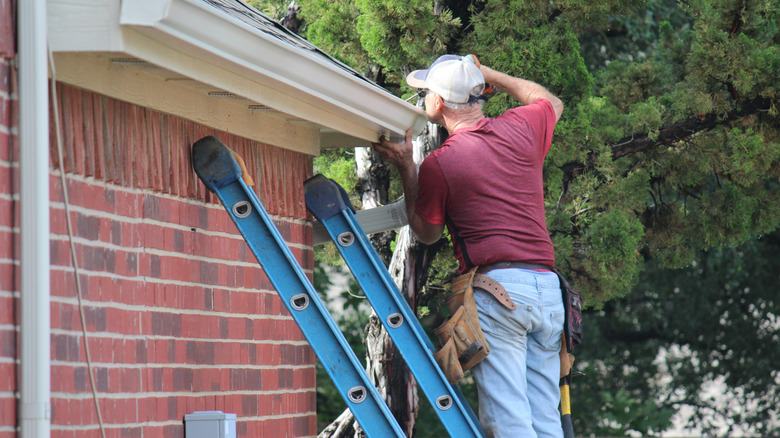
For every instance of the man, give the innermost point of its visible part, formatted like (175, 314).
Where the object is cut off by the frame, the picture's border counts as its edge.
(485, 183)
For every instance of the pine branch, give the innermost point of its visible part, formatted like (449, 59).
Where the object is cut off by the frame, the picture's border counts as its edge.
(685, 128)
(667, 135)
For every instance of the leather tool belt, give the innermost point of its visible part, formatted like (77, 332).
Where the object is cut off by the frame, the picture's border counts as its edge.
(494, 288)
(463, 344)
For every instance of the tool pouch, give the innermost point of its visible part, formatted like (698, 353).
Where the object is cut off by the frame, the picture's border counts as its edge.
(447, 358)
(572, 325)
(463, 344)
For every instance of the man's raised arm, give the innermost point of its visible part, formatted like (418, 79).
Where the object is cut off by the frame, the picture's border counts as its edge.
(525, 92)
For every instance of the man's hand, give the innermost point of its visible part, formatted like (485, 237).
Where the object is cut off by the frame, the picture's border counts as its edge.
(525, 92)
(399, 154)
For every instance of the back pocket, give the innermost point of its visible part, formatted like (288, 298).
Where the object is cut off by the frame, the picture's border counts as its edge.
(553, 332)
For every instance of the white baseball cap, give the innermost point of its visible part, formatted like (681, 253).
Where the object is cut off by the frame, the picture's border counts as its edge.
(455, 78)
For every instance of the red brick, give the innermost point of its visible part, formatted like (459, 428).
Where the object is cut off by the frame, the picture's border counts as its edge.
(8, 410)
(127, 204)
(6, 142)
(9, 213)
(9, 250)
(72, 112)
(152, 235)
(125, 380)
(7, 377)
(7, 30)
(9, 179)
(6, 108)
(9, 277)
(60, 283)
(104, 110)
(142, 407)
(7, 309)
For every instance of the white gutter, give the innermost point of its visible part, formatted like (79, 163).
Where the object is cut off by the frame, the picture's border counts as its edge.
(35, 367)
(193, 26)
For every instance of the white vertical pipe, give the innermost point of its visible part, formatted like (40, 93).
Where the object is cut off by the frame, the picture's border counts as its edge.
(35, 406)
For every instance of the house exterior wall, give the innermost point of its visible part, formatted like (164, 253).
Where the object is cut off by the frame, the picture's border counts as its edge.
(9, 227)
(179, 315)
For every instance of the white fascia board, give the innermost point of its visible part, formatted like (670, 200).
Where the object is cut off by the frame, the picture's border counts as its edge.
(192, 26)
(84, 25)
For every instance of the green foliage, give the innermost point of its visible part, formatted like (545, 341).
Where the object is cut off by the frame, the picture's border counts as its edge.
(733, 44)
(704, 337)
(380, 38)
(595, 123)
(627, 72)
(529, 47)
(331, 26)
(339, 165)
(625, 85)
(403, 23)
(275, 9)
(714, 187)
(726, 216)
(620, 413)
(749, 156)
(630, 34)
(611, 251)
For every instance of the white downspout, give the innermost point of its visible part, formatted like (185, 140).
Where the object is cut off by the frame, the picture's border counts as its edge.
(35, 367)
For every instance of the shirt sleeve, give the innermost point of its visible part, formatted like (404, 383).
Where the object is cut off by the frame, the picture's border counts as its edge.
(433, 192)
(540, 115)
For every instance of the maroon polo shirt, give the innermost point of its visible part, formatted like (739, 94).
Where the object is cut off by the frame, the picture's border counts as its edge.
(485, 184)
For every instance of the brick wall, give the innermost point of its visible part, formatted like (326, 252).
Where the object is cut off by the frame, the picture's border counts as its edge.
(180, 317)
(9, 231)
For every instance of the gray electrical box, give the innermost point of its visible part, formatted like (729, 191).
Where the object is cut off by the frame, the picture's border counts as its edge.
(209, 424)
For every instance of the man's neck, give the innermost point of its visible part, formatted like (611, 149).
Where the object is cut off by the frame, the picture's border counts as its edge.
(454, 121)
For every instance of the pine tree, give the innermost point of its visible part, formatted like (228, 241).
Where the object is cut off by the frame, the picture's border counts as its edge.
(669, 145)
(656, 156)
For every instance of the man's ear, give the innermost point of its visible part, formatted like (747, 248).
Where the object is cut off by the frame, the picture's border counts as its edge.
(438, 103)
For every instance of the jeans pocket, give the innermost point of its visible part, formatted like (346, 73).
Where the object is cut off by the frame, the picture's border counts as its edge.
(494, 317)
(553, 332)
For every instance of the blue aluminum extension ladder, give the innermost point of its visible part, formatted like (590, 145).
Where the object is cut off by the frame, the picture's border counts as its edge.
(219, 171)
(328, 202)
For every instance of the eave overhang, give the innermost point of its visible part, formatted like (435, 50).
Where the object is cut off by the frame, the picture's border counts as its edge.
(201, 42)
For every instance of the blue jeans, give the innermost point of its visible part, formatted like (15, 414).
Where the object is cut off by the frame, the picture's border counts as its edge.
(517, 383)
